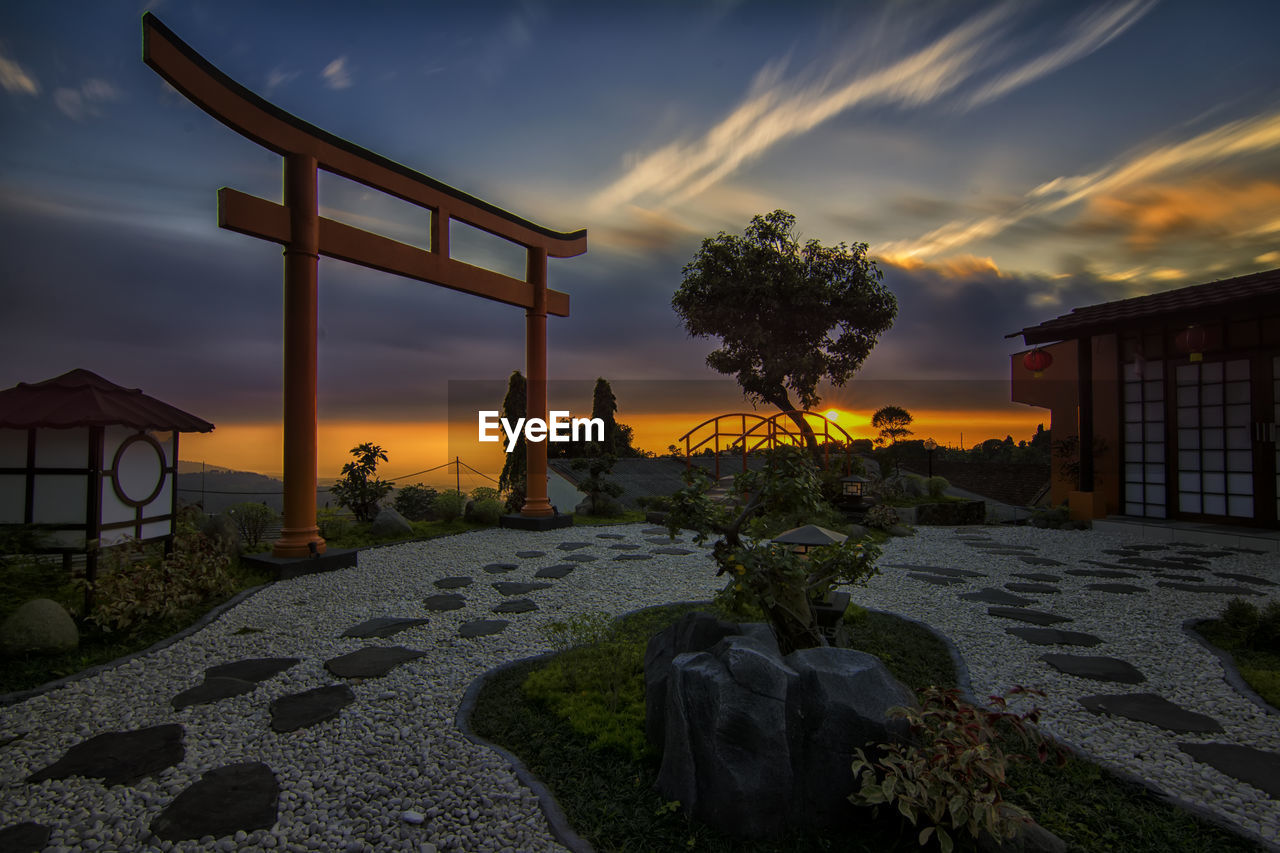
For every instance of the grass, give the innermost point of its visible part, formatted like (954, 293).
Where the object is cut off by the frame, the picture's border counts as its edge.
(1258, 667)
(609, 799)
(351, 534)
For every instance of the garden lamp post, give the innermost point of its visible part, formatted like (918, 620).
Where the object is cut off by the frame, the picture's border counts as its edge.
(930, 445)
(853, 487)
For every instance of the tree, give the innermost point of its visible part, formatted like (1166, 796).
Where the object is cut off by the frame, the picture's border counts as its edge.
(603, 406)
(788, 315)
(892, 422)
(514, 476)
(597, 488)
(359, 489)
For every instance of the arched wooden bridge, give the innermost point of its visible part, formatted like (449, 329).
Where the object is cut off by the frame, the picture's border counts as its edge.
(745, 432)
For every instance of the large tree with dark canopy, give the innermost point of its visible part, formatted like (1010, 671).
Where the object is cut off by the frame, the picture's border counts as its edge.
(788, 315)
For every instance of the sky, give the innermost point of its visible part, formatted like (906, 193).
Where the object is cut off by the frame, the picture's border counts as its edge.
(1004, 162)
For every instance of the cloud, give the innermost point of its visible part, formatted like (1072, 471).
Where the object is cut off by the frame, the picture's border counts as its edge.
(1152, 215)
(277, 77)
(777, 108)
(83, 102)
(336, 75)
(15, 79)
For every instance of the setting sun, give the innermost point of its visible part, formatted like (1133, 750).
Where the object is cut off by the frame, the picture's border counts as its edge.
(832, 415)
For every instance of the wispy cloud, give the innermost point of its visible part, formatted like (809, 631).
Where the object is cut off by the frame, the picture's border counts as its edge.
(15, 79)
(85, 101)
(278, 77)
(336, 75)
(777, 108)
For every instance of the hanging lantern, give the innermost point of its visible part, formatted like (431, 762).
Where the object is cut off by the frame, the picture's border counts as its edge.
(1037, 361)
(1191, 340)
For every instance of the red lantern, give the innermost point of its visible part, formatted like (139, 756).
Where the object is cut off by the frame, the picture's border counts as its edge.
(1191, 340)
(1037, 361)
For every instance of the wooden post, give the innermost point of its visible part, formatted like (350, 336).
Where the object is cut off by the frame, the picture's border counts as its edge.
(536, 503)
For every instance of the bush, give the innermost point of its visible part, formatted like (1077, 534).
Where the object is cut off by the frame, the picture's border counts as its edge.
(485, 511)
(359, 489)
(448, 506)
(414, 502)
(332, 524)
(937, 486)
(485, 493)
(252, 521)
(881, 517)
(1252, 628)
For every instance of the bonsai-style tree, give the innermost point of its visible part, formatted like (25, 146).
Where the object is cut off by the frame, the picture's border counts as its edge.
(359, 489)
(597, 488)
(787, 315)
(512, 481)
(892, 421)
(785, 494)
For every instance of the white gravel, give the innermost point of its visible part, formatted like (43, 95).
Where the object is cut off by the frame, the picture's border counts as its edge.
(362, 780)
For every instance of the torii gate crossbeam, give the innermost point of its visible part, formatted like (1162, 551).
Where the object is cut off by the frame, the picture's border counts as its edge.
(305, 235)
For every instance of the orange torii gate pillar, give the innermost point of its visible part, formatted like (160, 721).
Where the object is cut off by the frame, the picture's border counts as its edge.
(305, 235)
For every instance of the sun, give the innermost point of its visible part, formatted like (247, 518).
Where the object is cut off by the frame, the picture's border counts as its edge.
(832, 415)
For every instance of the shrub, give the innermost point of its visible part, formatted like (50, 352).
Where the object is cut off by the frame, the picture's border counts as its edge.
(1252, 628)
(952, 773)
(359, 489)
(881, 517)
(937, 486)
(486, 511)
(414, 501)
(332, 524)
(485, 493)
(449, 505)
(252, 521)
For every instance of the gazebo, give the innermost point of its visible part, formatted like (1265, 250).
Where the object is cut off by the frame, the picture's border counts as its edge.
(89, 463)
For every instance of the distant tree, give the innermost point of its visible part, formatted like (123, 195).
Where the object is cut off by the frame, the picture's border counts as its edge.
(359, 489)
(251, 521)
(603, 406)
(788, 315)
(513, 479)
(892, 422)
(1041, 440)
(597, 488)
(414, 501)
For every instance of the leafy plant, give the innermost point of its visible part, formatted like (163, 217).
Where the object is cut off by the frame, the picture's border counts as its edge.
(449, 505)
(951, 775)
(881, 517)
(331, 523)
(1253, 628)
(359, 489)
(252, 521)
(597, 488)
(937, 487)
(414, 501)
(486, 511)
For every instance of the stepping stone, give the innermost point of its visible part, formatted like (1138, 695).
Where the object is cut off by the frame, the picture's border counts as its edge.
(672, 551)
(622, 546)
(1117, 588)
(996, 596)
(226, 800)
(1207, 554)
(582, 558)
(1040, 561)
(299, 710)
(482, 627)
(937, 570)
(651, 530)
(529, 555)
(1245, 578)
(1259, 768)
(253, 669)
(1121, 552)
(940, 580)
(26, 837)
(500, 568)
(452, 583)
(1238, 550)
(211, 690)
(625, 557)
(1145, 546)
(1038, 576)
(663, 540)
(1033, 588)
(1054, 637)
(1035, 617)
(446, 601)
(382, 626)
(610, 536)
(119, 758)
(1097, 668)
(1013, 552)
(1154, 564)
(1152, 709)
(556, 572)
(518, 605)
(1182, 578)
(573, 546)
(1209, 587)
(1112, 566)
(519, 587)
(373, 662)
(1099, 573)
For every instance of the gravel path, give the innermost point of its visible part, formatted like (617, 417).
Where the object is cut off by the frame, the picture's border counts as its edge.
(362, 780)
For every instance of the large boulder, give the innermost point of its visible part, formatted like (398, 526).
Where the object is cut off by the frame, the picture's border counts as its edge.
(694, 632)
(756, 744)
(388, 522)
(40, 626)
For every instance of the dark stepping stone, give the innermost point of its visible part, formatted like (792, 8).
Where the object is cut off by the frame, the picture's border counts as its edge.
(626, 557)
(225, 801)
(253, 669)
(373, 662)
(1011, 552)
(991, 595)
(582, 558)
(937, 570)
(1097, 668)
(1180, 578)
(519, 587)
(672, 551)
(1112, 566)
(1209, 587)
(24, 837)
(663, 540)
(610, 536)
(1043, 577)
(1210, 554)
(1116, 588)
(556, 572)
(482, 627)
(382, 626)
(446, 601)
(518, 605)
(211, 690)
(529, 555)
(652, 530)
(1238, 550)
(1040, 561)
(1153, 709)
(1099, 573)
(1054, 637)
(453, 583)
(573, 546)
(939, 580)
(1035, 617)
(1034, 588)
(119, 758)
(299, 710)
(1146, 546)
(1245, 578)
(622, 546)
(1149, 563)
(1121, 552)
(1259, 768)
(500, 568)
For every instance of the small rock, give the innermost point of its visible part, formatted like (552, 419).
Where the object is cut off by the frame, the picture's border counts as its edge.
(413, 817)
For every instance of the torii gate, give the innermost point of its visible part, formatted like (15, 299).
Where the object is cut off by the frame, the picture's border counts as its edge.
(306, 235)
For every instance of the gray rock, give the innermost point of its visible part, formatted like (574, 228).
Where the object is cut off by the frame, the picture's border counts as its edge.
(622, 558)
(452, 583)
(26, 837)
(41, 626)
(388, 522)
(1098, 668)
(226, 800)
(1259, 768)
(518, 605)
(573, 546)
(529, 555)
(500, 568)
(1054, 637)
(299, 710)
(672, 550)
(937, 570)
(1039, 561)
(939, 580)
(251, 669)
(211, 690)
(1115, 588)
(1032, 588)
(1153, 709)
(373, 662)
(1099, 573)
(582, 558)
(381, 627)
(446, 601)
(120, 758)
(693, 632)
(1042, 577)
(555, 572)
(991, 595)
(482, 627)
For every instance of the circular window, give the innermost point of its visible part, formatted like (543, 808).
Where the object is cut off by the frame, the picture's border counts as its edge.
(137, 472)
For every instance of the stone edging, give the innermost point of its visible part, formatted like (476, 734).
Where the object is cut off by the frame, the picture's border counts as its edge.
(1229, 672)
(203, 621)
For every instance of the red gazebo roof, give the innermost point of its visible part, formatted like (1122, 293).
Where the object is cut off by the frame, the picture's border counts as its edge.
(83, 398)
